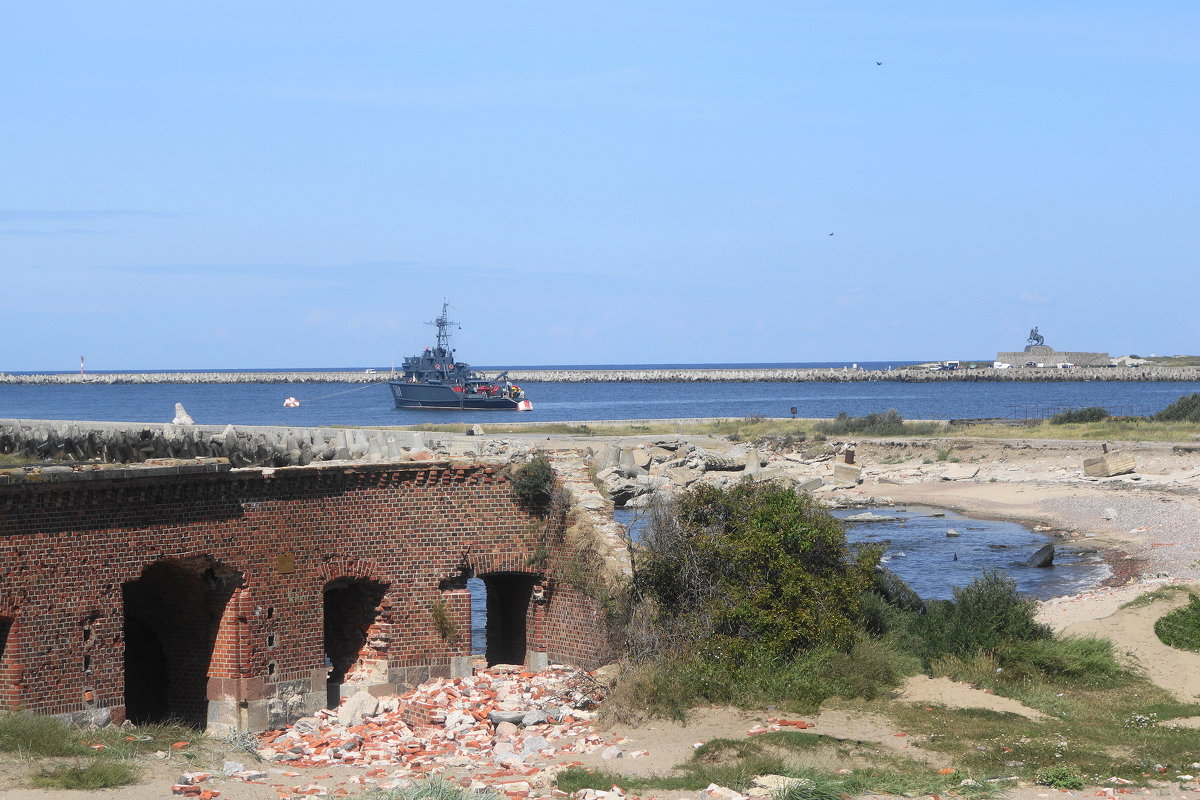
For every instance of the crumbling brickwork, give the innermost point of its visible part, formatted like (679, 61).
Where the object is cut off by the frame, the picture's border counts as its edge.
(218, 597)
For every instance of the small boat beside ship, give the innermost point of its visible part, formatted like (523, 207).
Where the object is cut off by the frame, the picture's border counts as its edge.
(434, 379)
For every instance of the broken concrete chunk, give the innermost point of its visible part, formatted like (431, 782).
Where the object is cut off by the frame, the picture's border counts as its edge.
(533, 718)
(959, 473)
(533, 745)
(868, 516)
(1108, 466)
(359, 705)
(847, 473)
(506, 716)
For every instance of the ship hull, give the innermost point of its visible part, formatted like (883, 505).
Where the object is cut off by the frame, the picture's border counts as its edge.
(419, 395)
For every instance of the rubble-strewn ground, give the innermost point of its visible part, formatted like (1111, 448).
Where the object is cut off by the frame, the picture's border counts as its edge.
(468, 730)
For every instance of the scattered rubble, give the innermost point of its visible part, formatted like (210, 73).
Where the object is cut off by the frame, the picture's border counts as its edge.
(504, 728)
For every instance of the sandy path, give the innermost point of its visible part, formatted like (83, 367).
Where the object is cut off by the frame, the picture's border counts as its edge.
(1132, 632)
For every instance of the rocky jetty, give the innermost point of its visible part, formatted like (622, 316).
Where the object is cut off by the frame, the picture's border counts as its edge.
(241, 446)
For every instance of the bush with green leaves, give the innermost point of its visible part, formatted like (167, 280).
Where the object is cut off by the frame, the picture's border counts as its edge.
(757, 566)
(1060, 778)
(533, 484)
(1089, 414)
(889, 423)
(1185, 409)
(983, 615)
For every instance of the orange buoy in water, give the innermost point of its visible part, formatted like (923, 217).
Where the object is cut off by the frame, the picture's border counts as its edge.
(291, 402)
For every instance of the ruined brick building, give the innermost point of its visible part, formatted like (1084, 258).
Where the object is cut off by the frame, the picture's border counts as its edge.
(246, 598)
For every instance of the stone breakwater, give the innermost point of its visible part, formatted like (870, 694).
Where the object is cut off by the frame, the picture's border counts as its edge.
(777, 375)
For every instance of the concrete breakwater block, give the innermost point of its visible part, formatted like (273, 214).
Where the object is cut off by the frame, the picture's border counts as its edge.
(847, 473)
(1109, 465)
(241, 445)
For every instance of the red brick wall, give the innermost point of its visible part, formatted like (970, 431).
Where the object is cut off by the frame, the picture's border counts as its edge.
(67, 549)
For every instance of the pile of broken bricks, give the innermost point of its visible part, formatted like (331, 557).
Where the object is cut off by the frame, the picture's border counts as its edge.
(502, 729)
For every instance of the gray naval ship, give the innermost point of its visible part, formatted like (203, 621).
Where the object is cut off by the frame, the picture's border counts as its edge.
(434, 379)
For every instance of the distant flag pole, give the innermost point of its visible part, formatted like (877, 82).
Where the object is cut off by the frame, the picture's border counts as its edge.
(81, 365)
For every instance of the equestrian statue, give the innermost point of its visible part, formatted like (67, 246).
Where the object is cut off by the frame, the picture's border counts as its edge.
(1035, 337)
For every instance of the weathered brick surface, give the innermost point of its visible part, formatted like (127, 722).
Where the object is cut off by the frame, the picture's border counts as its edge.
(275, 540)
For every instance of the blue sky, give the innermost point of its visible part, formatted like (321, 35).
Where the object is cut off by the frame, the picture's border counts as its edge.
(289, 183)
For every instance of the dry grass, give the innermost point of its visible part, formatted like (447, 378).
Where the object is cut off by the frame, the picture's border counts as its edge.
(1122, 430)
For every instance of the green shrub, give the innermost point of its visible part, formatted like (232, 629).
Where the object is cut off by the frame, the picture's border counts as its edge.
(983, 614)
(1185, 409)
(533, 484)
(1181, 627)
(1089, 414)
(890, 423)
(96, 775)
(1060, 778)
(756, 566)
(670, 686)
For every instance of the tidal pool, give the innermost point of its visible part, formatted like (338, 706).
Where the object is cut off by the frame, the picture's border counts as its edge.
(918, 549)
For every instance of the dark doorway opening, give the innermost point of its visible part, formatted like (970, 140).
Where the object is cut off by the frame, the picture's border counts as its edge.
(172, 616)
(351, 608)
(508, 596)
(5, 627)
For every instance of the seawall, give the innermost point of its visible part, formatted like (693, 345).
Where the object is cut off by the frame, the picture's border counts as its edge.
(778, 375)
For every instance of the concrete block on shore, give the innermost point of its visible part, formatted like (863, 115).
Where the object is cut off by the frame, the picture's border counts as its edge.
(810, 485)
(847, 473)
(1109, 465)
(959, 473)
(607, 456)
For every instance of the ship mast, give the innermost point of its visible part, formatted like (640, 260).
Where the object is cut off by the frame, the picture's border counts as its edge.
(443, 327)
(443, 350)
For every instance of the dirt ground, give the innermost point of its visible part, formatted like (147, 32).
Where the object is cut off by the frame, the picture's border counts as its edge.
(1149, 520)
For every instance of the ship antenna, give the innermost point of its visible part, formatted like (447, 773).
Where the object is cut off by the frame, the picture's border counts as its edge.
(443, 324)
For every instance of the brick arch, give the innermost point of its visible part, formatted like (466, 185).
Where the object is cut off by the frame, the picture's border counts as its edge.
(179, 619)
(352, 568)
(356, 627)
(492, 563)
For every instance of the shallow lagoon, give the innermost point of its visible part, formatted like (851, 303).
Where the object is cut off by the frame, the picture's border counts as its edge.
(920, 552)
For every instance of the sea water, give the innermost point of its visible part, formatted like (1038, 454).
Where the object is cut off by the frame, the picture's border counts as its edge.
(325, 404)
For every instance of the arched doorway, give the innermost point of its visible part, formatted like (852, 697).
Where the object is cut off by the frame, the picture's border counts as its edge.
(351, 609)
(172, 614)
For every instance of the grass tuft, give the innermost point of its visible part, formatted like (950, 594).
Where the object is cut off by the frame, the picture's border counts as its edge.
(431, 789)
(100, 774)
(1181, 627)
(1161, 593)
(38, 736)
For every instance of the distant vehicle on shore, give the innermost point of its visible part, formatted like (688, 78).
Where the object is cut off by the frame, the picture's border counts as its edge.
(433, 379)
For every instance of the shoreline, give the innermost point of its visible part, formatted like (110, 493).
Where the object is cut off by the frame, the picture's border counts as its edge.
(1151, 374)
